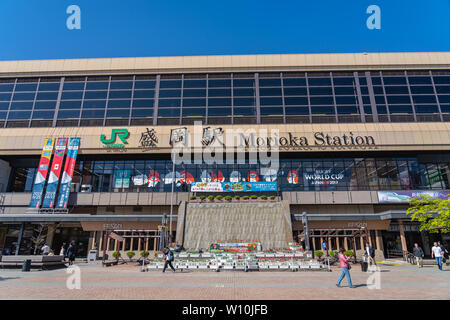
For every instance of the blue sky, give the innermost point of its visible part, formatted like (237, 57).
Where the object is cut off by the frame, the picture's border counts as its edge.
(36, 29)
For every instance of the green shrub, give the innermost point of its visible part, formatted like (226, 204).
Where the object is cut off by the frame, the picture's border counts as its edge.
(272, 197)
(318, 253)
(145, 253)
(116, 254)
(202, 197)
(237, 197)
(333, 253)
(228, 198)
(192, 198)
(219, 197)
(211, 198)
(263, 197)
(348, 252)
(130, 254)
(245, 198)
(254, 196)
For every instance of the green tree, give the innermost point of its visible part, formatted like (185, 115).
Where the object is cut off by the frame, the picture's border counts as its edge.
(432, 213)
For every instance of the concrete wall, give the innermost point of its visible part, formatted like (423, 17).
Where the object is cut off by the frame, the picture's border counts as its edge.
(5, 171)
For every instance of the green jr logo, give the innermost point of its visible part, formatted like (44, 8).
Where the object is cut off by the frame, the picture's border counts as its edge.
(123, 135)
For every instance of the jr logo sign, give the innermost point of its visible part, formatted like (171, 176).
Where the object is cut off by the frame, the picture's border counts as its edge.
(123, 135)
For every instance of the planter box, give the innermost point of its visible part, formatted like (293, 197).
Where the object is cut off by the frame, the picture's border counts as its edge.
(270, 255)
(206, 255)
(160, 265)
(203, 266)
(309, 255)
(152, 266)
(228, 267)
(160, 255)
(273, 266)
(298, 254)
(304, 266)
(279, 255)
(240, 267)
(289, 255)
(194, 255)
(183, 255)
(284, 266)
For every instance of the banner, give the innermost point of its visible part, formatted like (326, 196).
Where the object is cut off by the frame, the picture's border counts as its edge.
(233, 186)
(69, 167)
(405, 196)
(122, 179)
(41, 176)
(53, 179)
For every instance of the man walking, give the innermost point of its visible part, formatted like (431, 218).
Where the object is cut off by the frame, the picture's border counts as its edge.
(71, 253)
(444, 252)
(418, 254)
(169, 258)
(370, 252)
(436, 253)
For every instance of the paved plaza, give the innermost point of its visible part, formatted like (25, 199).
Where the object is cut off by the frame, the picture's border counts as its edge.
(127, 282)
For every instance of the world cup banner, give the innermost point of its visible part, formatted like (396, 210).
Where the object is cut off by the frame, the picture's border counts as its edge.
(41, 176)
(69, 167)
(53, 179)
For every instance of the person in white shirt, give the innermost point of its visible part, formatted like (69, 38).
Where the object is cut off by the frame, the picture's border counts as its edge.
(436, 252)
(45, 250)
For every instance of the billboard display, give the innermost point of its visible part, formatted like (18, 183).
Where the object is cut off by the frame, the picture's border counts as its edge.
(405, 196)
(69, 167)
(41, 176)
(55, 171)
(233, 186)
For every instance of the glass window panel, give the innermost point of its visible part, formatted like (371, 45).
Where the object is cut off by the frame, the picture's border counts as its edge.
(364, 90)
(419, 80)
(319, 82)
(22, 105)
(3, 115)
(6, 87)
(119, 103)
(346, 100)
(398, 99)
(321, 100)
(245, 111)
(19, 115)
(118, 113)
(381, 109)
(142, 113)
(320, 91)
(26, 87)
(5, 96)
(271, 101)
(219, 92)
(344, 91)
(93, 114)
(144, 84)
(92, 104)
(194, 93)
(194, 103)
(189, 112)
(272, 82)
(296, 101)
(327, 110)
(219, 83)
(194, 84)
(169, 113)
(143, 103)
(49, 86)
(170, 84)
(96, 85)
(297, 110)
(378, 90)
(144, 94)
(294, 82)
(344, 81)
(119, 94)
(68, 114)
(394, 80)
(445, 108)
(441, 79)
(427, 109)
(347, 110)
(380, 100)
(396, 90)
(218, 112)
(95, 94)
(270, 92)
(444, 98)
(43, 114)
(70, 104)
(24, 96)
(295, 92)
(400, 109)
(169, 93)
(272, 111)
(73, 86)
(443, 89)
(47, 96)
(424, 99)
(422, 89)
(121, 85)
(71, 95)
(4, 105)
(217, 102)
(243, 82)
(244, 101)
(243, 92)
(169, 102)
(45, 105)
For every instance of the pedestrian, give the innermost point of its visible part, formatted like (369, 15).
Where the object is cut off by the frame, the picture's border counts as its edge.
(63, 251)
(444, 252)
(71, 254)
(436, 253)
(169, 258)
(324, 246)
(45, 249)
(345, 267)
(370, 252)
(418, 254)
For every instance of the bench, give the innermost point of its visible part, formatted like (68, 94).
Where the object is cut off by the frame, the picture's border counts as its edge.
(36, 261)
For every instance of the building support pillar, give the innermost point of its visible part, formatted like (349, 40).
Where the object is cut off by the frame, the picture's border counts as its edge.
(361, 238)
(345, 243)
(139, 244)
(50, 233)
(146, 244)
(379, 240)
(100, 245)
(402, 235)
(91, 241)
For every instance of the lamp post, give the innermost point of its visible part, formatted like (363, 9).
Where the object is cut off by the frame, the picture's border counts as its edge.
(305, 229)
(171, 195)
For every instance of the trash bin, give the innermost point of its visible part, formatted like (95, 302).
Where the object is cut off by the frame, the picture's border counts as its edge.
(92, 256)
(26, 265)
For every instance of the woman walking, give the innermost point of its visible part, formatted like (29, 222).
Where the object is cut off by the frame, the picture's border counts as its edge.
(345, 267)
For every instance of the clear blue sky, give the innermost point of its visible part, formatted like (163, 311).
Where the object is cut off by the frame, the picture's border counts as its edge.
(36, 29)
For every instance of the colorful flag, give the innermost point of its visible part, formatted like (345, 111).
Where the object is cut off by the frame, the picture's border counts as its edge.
(69, 167)
(53, 179)
(41, 176)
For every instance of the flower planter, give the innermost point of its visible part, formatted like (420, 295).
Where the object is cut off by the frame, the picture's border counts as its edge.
(273, 266)
(279, 255)
(300, 254)
(194, 255)
(270, 255)
(228, 267)
(206, 255)
(160, 255)
(184, 255)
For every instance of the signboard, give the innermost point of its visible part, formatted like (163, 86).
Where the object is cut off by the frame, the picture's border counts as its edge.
(122, 134)
(55, 171)
(115, 236)
(405, 196)
(69, 167)
(324, 177)
(41, 176)
(122, 179)
(233, 186)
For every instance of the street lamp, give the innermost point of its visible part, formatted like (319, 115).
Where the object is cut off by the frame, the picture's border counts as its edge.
(305, 229)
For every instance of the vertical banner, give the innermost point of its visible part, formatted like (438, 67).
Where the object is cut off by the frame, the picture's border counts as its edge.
(41, 176)
(55, 170)
(69, 167)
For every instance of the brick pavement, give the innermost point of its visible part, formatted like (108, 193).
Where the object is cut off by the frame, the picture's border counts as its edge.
(127, 282)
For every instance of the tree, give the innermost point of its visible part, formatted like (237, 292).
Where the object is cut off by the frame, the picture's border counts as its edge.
(39, 236)
(432, 213)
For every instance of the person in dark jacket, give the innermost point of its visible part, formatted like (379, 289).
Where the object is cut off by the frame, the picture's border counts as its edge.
(71, 253)
(169, 257)
(418, 254)
(370, 253)
(445, 252)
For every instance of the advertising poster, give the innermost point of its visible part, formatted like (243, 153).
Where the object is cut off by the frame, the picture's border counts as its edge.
(41, 176)
(324, 177)
(122, 179)
(153, 178)
(69, 167)
(55, 171)
(405, 196)
(233, 186)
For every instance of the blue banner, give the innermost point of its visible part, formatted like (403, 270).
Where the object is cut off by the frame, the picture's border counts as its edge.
(233, 186)
(53, 179)
(41, 176)
(405, 196)
(69, 167)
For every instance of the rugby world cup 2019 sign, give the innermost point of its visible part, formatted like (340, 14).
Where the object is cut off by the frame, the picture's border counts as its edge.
(233, 186)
